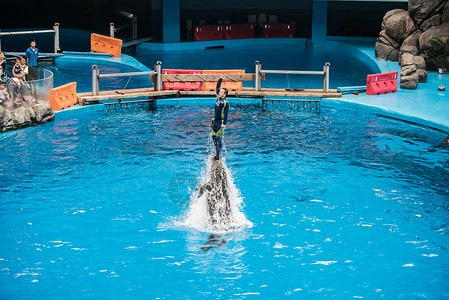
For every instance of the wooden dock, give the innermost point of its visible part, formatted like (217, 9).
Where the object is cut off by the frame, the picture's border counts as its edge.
(156, 76)
(150, 93)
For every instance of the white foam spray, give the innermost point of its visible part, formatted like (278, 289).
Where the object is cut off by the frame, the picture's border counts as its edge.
(216, 204)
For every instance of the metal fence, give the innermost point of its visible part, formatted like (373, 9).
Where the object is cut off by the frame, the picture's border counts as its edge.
(15, 93)
(55, 32)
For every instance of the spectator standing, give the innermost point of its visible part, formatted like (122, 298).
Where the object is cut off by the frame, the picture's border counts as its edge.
(2, 66)
(32, 53)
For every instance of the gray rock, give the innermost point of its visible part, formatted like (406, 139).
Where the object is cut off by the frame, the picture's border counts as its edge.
(434, 20)
(5, 115)
(411, 43)
(420, 10)
(399, 26)
(445, 14)
(389, 14)
(420, 62)
(441, 31)
(422, 75)
(387, 40)
(408, 70)
(25, 116)
(386, 52)
(5, 119)
(409, 49)
(407, 60)
(22, 116)
(44, 113)
(409, 82)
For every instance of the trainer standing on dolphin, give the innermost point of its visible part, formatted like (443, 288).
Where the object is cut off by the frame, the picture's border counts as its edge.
(220, 117)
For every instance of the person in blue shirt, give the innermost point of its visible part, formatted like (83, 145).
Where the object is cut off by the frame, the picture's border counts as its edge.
(220, 117)
(32, 53)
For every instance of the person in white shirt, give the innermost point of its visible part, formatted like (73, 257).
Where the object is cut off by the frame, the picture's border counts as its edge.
(24, 65)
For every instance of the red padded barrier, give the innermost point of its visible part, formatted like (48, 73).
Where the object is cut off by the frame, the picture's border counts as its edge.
(239, 31)
(179, 85)
(279, 30)
(208, 33)
(382, 83)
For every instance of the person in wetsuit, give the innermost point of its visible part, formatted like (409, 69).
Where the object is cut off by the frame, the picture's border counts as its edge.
(220, 117)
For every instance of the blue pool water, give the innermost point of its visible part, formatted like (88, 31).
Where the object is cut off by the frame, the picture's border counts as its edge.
(337, 203)
(342, 203)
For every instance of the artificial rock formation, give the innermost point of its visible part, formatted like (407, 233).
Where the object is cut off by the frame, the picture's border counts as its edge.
(25, 116)
(405, 34)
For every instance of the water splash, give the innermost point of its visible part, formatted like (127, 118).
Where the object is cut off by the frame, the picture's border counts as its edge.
(216, 204)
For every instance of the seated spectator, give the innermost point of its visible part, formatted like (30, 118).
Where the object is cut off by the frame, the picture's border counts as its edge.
(17, 69)
(24, 65)
(20, 72)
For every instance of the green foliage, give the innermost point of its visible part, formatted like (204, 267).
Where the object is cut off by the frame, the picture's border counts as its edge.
(438, 55)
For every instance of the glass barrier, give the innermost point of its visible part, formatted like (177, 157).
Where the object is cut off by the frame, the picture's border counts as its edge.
(15, 93)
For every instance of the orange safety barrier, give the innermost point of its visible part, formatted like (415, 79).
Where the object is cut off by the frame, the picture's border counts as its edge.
(63, 96)
(179, 85)
(382, 83)
(230, 85)
(105, 44)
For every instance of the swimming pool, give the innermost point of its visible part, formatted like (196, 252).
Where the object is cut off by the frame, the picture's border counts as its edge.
(342, 204)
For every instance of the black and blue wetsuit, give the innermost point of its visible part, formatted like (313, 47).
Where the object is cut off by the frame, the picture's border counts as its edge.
(220, 117)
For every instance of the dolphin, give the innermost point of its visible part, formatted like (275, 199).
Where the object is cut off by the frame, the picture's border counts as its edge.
(215, 189)
(213, 241)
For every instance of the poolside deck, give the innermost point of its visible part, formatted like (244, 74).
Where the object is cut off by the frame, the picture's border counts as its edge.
(87, 98)
(425, 106)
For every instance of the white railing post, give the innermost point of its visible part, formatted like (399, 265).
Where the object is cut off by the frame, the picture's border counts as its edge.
(95, 81)
(56, 35)
(326, 77)
(158, 70)
(258, 83)
(111, 30)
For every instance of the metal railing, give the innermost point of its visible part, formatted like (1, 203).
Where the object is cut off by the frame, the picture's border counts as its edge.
(158, 80)
(325, 73)
(96, 77)
(55, 32)
(133, 24)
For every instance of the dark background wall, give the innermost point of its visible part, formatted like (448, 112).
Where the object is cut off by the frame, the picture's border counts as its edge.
(345, 18)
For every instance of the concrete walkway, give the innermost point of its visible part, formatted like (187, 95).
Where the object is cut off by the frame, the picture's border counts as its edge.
(426, 105)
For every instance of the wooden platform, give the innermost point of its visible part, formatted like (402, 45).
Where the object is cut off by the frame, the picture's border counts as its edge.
(86, 98)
